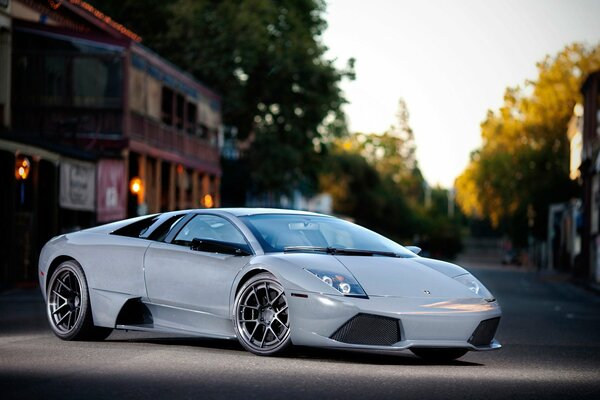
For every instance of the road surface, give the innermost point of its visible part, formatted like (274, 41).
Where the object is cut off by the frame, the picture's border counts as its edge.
(550, 332)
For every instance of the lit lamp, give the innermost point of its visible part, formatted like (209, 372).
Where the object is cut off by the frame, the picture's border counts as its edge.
(208, 201)
(22, 167)
(136, 186)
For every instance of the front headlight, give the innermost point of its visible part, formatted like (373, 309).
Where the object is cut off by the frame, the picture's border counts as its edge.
(343, 283)
(475, 286)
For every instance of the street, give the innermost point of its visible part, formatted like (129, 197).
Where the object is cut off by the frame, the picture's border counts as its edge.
(550, 332)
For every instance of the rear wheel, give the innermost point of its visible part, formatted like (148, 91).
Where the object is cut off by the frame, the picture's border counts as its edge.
(261, 320)
(433, 354)
(69, 309)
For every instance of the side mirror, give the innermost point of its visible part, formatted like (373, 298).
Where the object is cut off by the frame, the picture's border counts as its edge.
(414, 249)
(214, 246)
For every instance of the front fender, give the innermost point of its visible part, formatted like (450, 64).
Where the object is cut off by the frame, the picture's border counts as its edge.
(290, 273)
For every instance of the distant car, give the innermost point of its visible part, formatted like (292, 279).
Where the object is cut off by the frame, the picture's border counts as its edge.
(268, 278)
(511, 257)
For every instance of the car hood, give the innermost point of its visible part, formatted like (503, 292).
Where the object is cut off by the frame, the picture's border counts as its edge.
(406, 277)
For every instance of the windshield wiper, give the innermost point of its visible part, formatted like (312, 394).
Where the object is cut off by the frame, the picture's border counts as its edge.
(338, 251)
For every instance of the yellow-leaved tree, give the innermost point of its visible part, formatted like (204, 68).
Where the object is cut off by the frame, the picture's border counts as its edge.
(522, 165)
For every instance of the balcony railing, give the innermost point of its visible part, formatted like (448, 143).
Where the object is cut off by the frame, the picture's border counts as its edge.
(166, 137)
(66, 122)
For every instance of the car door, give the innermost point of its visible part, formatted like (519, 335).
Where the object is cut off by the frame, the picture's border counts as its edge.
(184, 279)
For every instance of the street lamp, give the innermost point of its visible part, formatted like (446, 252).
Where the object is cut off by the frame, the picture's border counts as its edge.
(208, 201)
(136, 186)
(22, 167)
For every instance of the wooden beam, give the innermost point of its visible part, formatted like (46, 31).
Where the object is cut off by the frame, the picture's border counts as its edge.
(172, 177)
(157, 185)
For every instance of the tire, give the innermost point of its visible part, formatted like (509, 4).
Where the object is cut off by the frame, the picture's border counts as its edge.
(261, 316)
(68, 305)
(432, 354)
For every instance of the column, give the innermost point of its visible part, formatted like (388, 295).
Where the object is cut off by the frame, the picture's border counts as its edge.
(142, 174)
(172, 184)
(217, 186)
(158, 184)
(205, 187)
(195, 194)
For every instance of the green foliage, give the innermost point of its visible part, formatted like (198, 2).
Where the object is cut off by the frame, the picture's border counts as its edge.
(443, 230)
(361, 192)
(523, 165)
(375, 179)
(267, 60)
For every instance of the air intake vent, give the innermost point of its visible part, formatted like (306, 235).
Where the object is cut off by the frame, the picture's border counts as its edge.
(369, 329)
(484, 333)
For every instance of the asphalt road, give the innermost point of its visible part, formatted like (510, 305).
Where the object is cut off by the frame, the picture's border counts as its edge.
(550, 332)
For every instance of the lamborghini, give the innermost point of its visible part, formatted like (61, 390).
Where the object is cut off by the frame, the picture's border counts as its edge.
(269, 278)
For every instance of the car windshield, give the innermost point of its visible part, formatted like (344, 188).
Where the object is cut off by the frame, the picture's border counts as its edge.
(290, 232)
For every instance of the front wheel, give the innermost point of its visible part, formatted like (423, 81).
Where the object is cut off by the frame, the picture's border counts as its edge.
(432, 354)
(69, 309)
(262, 320)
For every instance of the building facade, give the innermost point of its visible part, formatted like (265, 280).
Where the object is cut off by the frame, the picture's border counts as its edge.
(95, 127)
(590, 174)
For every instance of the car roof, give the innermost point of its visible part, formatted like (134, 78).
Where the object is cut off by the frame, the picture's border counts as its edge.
(243, 211)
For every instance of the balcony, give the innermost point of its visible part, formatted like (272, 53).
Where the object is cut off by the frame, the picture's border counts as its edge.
(169, 138)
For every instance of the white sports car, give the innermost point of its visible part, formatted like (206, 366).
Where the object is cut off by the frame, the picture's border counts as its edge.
(268, 278)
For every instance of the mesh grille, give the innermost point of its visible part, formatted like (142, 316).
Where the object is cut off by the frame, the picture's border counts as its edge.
(369, 329)
(484, 333)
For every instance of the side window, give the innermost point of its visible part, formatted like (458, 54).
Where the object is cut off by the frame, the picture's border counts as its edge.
(209, 227)
(136, 229)
(160, 233)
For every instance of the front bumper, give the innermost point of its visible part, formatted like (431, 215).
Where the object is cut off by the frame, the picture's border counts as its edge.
(423, 322)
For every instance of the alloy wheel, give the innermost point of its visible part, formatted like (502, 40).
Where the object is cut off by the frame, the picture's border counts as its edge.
(262, 317)
(64, 301)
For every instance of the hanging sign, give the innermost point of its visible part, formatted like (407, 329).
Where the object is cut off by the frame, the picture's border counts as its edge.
(77, 185)
(112, 190)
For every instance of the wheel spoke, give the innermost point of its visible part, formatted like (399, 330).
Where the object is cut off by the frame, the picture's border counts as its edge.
(251, 307)
(59, 308)
(256, 296)
(281, 310)
(68, 276)
(254, 331)
(63, 285)
(276, 298)
(267, 293)
(278, 320)
(58, 294)
(76, 312)
(274, 334)
(262, 342)
(63, 318)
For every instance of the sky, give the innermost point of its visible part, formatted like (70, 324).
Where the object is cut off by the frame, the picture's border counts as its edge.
(451, 60)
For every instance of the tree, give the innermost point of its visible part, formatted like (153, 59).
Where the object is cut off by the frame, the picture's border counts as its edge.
(522, 165)
(393, 154)
(267, 60)
(376, 180)
(372, 177)
(360, 191)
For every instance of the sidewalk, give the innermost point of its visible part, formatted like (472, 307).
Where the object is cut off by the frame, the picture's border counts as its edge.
(19, 286)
